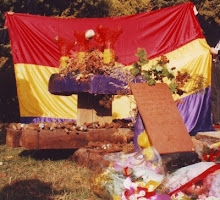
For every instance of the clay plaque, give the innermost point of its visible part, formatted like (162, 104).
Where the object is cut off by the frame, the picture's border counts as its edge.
(161, 117)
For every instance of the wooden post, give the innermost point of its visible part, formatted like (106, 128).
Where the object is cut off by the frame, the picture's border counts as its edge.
(13, 137)
(89, 110)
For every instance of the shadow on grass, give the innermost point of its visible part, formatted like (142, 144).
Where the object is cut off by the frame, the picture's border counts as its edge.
(48, 154)
(32, 189)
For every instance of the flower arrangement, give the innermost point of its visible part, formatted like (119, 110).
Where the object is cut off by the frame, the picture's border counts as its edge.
(93, 54)
(130, 176)
(204, 189)
(197, 181)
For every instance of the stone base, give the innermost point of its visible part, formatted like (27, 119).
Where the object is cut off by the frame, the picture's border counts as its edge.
(205, 144)
(208, 137)
(94, 160)
(91, 159)
(92, 156)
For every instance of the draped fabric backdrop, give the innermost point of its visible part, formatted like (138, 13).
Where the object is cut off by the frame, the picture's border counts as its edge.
(173, 31)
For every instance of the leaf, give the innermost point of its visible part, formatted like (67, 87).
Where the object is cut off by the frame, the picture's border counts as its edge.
(151, 82)
(145, 58)
(135, 65)
(143, 61)
(165, 72)
(180, 92)
(135, 71)
(146, 75)
(171, 76)
(141, 53)
(173, 87)
(159, 68)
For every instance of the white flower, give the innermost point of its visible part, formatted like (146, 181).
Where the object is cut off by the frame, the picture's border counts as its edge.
(203, 197)
(178, 195)
(129, 184)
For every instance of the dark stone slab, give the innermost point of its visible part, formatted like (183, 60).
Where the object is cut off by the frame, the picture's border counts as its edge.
(174, 161)
(95, 84)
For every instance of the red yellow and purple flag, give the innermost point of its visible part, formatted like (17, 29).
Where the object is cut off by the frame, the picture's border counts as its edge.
(174, 32)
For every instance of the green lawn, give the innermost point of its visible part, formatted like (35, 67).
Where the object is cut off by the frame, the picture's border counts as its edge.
(41, 175)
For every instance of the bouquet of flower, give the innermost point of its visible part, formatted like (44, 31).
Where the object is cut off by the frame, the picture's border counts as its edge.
(130, 176)
(197, 181)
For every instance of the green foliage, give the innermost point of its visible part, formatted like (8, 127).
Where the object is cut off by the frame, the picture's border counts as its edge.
(36, 7)
(142, 60)
(87, 9)
(173, 86)
(151, 81)
(100, 8)
(157, 72)
(128, 7)
(211, 10)
(142, 55)
(135, 70)
(158, 4)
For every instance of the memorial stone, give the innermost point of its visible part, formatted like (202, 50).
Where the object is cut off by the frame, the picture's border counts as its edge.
(161, 117)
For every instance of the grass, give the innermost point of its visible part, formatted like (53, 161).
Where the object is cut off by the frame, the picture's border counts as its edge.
(41, 175)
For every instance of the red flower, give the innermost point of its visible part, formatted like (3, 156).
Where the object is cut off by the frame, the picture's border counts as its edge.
(206, 156)
(126, 171)
(147, 194)
(217, 154)
(128, 193)
(211, 157)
